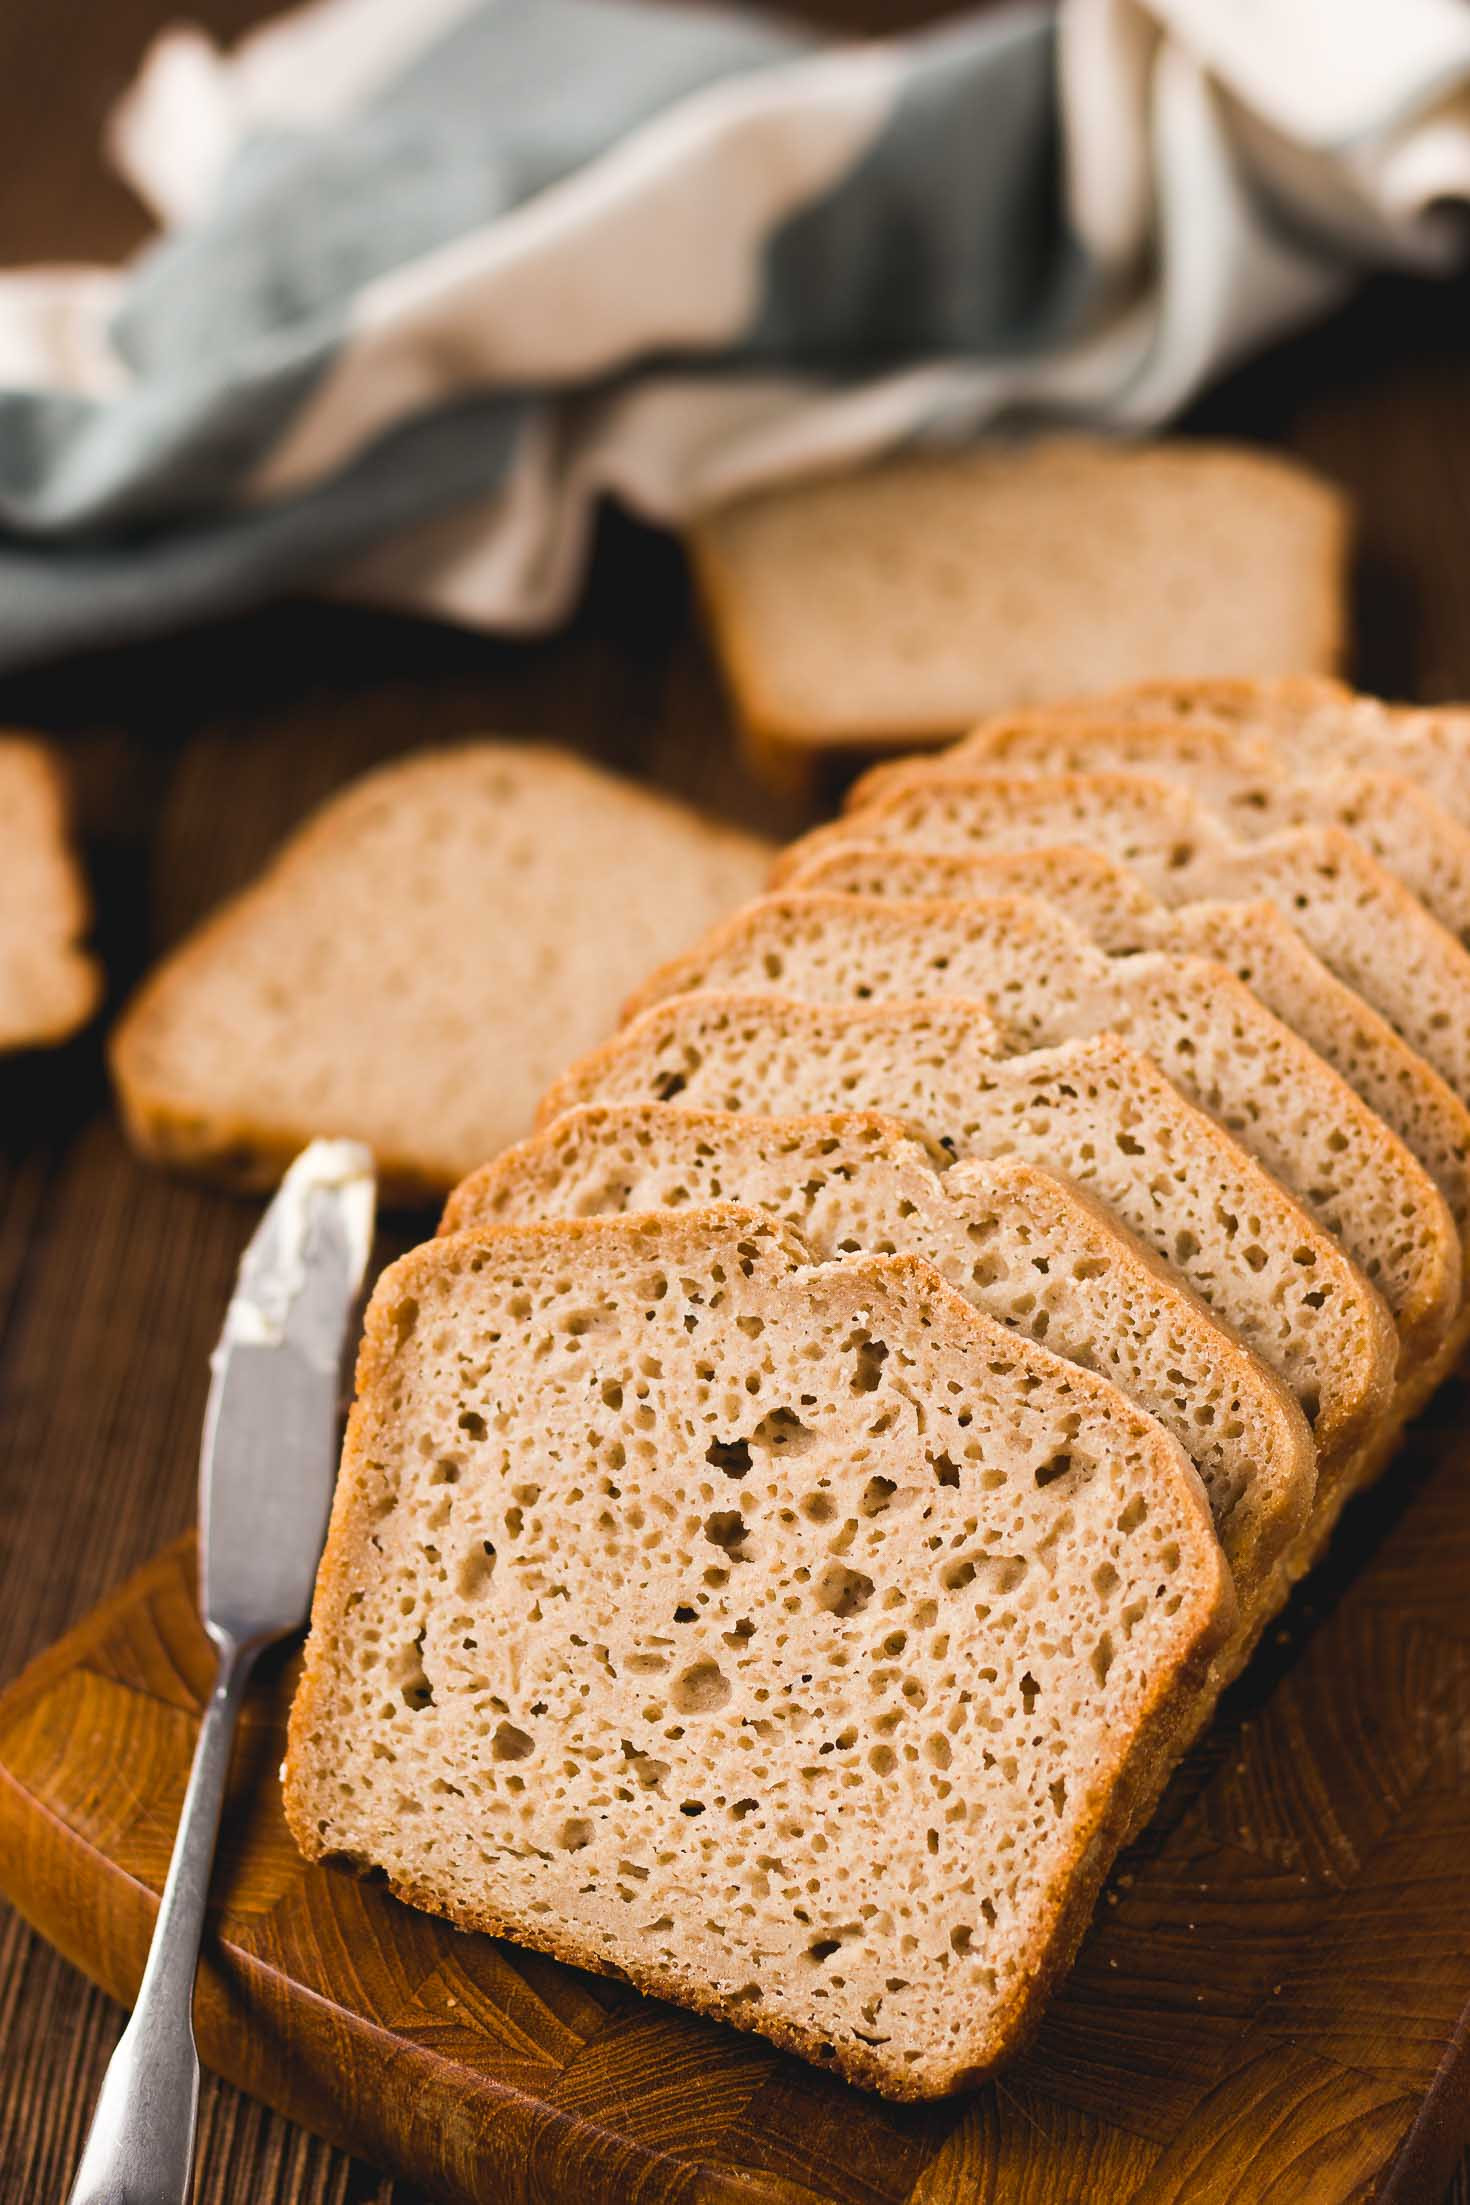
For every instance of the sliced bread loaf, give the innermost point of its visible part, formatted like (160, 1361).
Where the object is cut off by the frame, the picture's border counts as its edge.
(1031, 1252)
(49, 986)
(1362, 922)
(1049, 983)
(1243, 783)
(902, 602)
(416, 964)
(785, 1638)
(1096, 1112)
(1256, 941)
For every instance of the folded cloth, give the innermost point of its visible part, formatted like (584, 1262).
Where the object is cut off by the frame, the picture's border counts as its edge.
(433, 275)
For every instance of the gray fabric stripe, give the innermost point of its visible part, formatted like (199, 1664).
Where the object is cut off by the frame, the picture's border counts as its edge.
(171, 445)
(114, 588)
(948, 238)
(558, 81)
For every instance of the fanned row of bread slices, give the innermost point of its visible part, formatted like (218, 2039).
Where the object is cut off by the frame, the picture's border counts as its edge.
(813, 1490)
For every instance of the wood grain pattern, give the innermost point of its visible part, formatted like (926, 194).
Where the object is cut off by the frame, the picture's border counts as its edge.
(191, 758)
(1271, 2001)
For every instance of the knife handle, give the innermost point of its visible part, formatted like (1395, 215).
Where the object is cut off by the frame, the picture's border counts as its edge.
(140, 2146)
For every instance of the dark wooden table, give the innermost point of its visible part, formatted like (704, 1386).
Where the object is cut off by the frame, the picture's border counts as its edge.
(191, 757)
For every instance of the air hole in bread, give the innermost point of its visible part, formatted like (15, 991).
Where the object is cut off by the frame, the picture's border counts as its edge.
(730, 1455)
(842, 1591)
(511, 1744)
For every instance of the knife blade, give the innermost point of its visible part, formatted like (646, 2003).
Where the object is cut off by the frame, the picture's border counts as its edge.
(268, 1460)
(267, 1467)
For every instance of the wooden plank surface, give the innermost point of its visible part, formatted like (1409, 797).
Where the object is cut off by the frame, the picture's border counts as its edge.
(191, 758)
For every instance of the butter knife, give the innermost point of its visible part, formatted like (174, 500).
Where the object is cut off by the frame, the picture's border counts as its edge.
(267, 1466)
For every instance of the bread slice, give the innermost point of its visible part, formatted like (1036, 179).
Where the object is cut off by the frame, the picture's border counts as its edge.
(417, 962)
(1096, 1112)
(1256, 941)
(1031, 1252)
(49, 986)
(1095, 891)
(1228, 700)
(1244, 783)
(1201, 1026)
(1235, 775)
(1364, 925)
(1316, 725)
(902, 602)
(785, 1638)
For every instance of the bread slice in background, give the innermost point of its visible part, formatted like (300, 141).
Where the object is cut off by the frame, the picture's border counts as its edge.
(904, 602)
(1255, 940)
(660, 1627)
(1028, 1250)
(417, 962)
(49, 986)
(1098, 1112)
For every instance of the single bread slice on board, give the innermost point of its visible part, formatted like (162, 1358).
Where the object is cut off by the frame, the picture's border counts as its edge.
(901, 602)
(1244, 783)
(1095, 1111)
(48, 985)
(786, 1638)
(1256, 941)
(1363, 924)
(417, 962)
(1049, 983)
(1029, 1251)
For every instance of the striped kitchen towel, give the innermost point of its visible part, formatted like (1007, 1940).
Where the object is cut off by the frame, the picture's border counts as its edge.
(434, 275)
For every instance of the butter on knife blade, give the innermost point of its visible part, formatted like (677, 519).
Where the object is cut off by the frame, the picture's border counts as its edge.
(269, 1457)
(273, 1268)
